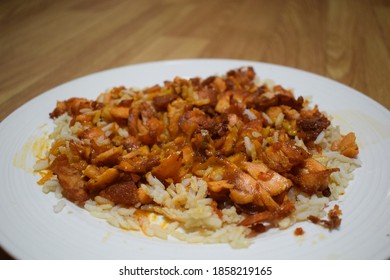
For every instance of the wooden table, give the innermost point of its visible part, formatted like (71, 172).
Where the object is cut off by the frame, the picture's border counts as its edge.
(46, 43)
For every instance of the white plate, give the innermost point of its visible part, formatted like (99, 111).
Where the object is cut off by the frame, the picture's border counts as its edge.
(29, 229)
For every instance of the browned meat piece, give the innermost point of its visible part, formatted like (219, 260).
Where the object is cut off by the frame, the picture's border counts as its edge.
(72, 106)
(219, 84)
(132, 121)
(125, 103)
(79, 150)
(191, 120)
(161, 102)
(125, 193)
(270, 180)
(223, 102)
(273, 112)
(131, 143)
(138, 164)
(93, 133)
(311, 124)
(242, 77)
(120, 112)
(246, 188)
(333, 221)
(283, 156)
(313, 176)
(70, 180)
(263, 102)
(153, 89)
(202, 145)
(208, 94)
(147, 112)
(347, 146)
(175, 111)
(219, 186)
(169, 167)
(251, 127)
(154, 127)
(109, 157)
(100, 180)
(143, 123)
(99, 142)
(208, 81)
(270, 217)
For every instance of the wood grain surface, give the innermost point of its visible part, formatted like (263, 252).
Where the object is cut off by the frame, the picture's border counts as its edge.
(46, 43)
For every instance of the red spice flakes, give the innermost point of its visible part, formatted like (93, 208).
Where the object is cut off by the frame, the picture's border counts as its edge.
(299, 231)
(333, 221)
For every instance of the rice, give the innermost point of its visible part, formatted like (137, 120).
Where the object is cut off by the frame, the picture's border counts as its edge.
(59, 206)
(51, 186)
(183, 210)
(250, 148)
(41, 165)
(266, 117)
(250, 114)
(279, 120)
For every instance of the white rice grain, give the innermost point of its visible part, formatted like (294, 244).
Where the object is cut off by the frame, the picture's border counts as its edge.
(59, 206)
(279, 121)
(250, 148)
(250, 114)
(267, 118)
(41, 165)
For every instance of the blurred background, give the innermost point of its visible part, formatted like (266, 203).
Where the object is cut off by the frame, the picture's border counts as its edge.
(46, 43)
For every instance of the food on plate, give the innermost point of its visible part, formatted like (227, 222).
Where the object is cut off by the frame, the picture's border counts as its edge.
(214, 160)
